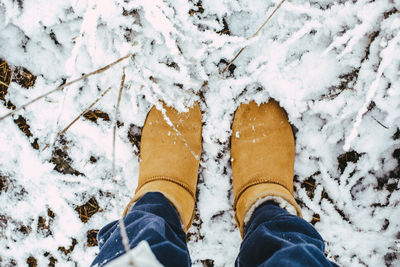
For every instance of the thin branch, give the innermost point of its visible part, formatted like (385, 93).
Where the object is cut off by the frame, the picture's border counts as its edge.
(116, 118)
(124, 235)
(65, 85)
(254, 35)
(4, 84)
(57, 123)
(233, 60)
(79, 116)
(266, 21)
(380, 123)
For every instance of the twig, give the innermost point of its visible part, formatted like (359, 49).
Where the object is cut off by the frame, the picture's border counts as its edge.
(124, 235)
(266, 21)
(53, 138)
(254, 35)
(4, 84)
(380, 123)
(116, 118)
(79, 116)
(233, 60)
(65, 85)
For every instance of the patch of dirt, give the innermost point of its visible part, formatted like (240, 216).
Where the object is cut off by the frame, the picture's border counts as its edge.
(94, 115)
(26, 230)
(25, 128)
(396, 135)
(31, 261)
(11, 187)
(44, 223)
(5, 80)
(195, 235)
(207, 263)
(17, 74)
(23, 77)
(134, 137)
(222, 65)
(351, 156)
(3, 223)
(315, 218)
(17, 227)
(3, 184)
(92, 238)
(43, 226)
(396, 172)
(225, 30)
(347, 82)
(7, 262)
(87, 210)
(52, 260)
(324, 195)
(199, 8)
(63, 162)
(309, 185)
(68, 250)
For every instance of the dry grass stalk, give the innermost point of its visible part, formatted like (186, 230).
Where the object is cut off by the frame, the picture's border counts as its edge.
(266, 21)
(124, 234)
(79, 116)
(4, 84)
(116, 118)
(233, 60)
(65, 85)
(254, 35)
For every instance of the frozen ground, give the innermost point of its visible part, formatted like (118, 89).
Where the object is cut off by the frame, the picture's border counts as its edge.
(333, 65)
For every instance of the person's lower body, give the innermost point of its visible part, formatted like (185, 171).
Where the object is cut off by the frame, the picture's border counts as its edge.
(153, 219)
(262, 152)
(273, 236)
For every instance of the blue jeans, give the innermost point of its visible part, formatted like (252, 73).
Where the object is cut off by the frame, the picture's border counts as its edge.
(273, 237)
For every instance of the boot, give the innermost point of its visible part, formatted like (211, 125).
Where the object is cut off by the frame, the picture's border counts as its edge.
(169, 159)
(262, 153)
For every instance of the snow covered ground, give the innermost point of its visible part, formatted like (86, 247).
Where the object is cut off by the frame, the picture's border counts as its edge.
(333, 65)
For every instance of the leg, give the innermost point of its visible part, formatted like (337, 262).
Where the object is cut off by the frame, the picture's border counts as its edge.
(162, 209)
(154, 219)
(274, 237)
(263, 153)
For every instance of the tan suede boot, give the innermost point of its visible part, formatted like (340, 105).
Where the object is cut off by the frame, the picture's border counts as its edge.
(170, 160)
(263, 153)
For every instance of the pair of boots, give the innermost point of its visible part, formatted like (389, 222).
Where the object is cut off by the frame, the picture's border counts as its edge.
(262, 151)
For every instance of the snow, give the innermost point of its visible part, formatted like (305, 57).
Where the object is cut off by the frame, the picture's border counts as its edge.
(333, 66)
